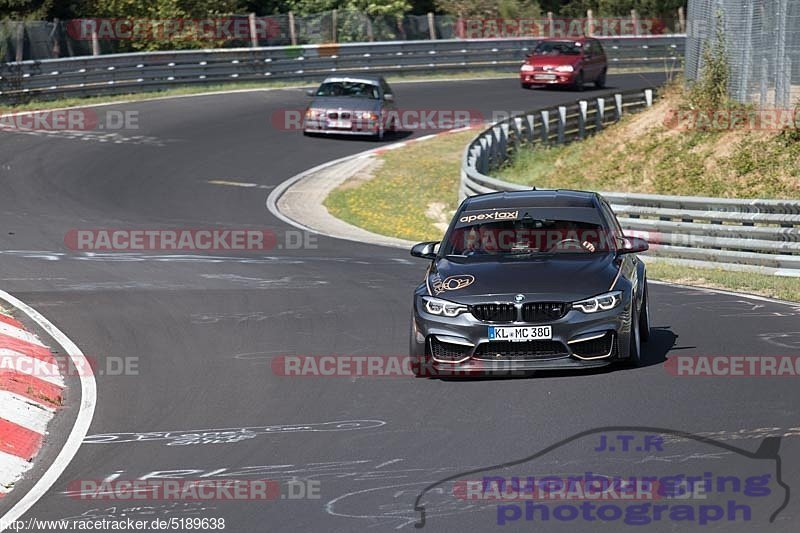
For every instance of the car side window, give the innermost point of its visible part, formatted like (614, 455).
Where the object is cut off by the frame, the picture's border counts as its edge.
(588, 49)
(612, 219)
(598, 48)
(385, 87)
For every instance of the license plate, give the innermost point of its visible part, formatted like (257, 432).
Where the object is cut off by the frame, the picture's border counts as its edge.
(522, 334)
(339, 124)
(544, 77)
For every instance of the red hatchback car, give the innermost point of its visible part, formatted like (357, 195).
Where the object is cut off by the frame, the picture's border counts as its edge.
(565, 62)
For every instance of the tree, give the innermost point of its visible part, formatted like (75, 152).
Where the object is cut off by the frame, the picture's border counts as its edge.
(469, 8)
(370, 7)
(611, 8)
(25, 9)
(490, 9)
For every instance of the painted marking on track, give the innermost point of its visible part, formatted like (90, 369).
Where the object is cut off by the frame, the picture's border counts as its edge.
(228, 435)
(387, 463)
(121, 512)
(784, 339)
(240, 184)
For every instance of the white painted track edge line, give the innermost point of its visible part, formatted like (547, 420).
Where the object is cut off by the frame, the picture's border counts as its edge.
(276, 193)
(82, 422)
(729, 293)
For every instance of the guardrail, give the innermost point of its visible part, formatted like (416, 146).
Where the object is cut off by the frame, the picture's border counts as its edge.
(759, 235)
(153, 71)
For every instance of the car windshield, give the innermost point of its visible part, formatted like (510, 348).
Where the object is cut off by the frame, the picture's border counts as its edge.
(519, 238)
(352, 89)
(557, 48)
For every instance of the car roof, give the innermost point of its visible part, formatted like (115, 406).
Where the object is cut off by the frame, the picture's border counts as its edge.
(354, 77)
(533, 198)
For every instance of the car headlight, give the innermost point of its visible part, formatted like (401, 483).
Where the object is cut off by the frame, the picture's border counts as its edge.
(526, 68)
(366, 115)
(602, 302)
(435, 306)
(564, 68)
(315, 113)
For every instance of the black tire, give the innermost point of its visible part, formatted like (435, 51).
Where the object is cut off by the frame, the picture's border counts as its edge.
(526, 85)
(579, 82)
(418, 361)
(600, 82)
(644, 317)
(635, 349)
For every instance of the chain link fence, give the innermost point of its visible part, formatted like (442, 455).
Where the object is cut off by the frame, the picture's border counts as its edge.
(762, 44)
(39, 40)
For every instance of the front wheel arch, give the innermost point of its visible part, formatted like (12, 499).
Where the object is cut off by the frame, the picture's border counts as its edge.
(644, 315)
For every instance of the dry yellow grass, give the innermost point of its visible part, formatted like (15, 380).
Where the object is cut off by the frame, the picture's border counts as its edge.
(643, 154)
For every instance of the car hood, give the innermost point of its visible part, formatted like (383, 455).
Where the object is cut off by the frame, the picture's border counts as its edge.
(350, 104)
(552, 278)
(553, 61)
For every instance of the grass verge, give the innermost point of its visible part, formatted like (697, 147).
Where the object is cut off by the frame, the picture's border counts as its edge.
(411, 184)
(783, 288)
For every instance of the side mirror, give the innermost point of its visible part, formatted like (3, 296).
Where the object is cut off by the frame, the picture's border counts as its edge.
(425, 250)
(389, 97)
(633, 245)
(310, 92)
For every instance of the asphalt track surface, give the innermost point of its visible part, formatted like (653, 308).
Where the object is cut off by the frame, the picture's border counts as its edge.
(204, 331)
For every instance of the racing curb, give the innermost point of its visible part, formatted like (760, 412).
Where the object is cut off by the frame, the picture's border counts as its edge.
(299, 200)
(31, 392)
(49, 474)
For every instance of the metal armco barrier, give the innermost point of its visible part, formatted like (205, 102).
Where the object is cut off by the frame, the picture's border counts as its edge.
(154, 71)
(758, 235)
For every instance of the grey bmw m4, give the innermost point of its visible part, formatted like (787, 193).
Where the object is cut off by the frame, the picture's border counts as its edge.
(530, 280)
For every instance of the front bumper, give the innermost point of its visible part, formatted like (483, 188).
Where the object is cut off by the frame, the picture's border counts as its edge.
(561, 78)
(579, 341)
(370, 133)
(357, 127)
